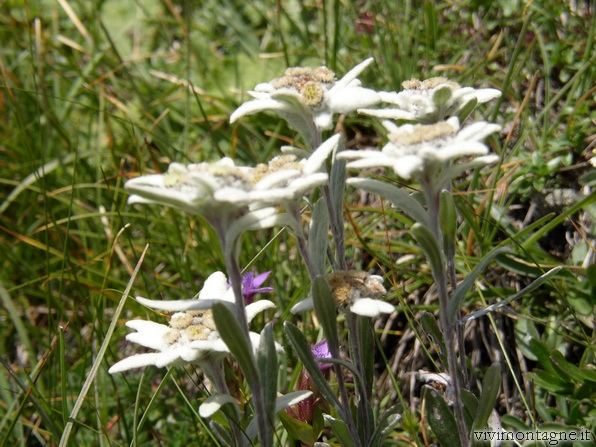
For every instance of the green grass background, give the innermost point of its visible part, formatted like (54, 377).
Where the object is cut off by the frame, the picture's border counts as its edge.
(94, 92)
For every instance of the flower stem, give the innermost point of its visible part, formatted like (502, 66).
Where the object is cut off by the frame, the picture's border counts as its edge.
(447, 324)
(254, 382)
(336, 229)
(215, 372)
(302, 243)
(355, 332)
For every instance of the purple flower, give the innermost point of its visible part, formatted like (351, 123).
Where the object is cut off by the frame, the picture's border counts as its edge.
(251, 285)
(321, 351)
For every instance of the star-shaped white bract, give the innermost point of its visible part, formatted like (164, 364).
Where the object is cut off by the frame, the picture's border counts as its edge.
(431, 101)
(207, 189)
(219, 189)
(357, 291)
(233, 198)
(191, 336)
(421, 151)
(308, 98)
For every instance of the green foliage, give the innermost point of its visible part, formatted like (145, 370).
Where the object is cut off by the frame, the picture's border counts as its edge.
(94, 93)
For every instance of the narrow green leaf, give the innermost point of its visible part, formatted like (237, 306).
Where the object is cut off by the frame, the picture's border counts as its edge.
(534, 285)
(558, 220)
(464, 287)
(268, 368)
(572, 371)
(542, 353)
(525, 331)
(470, 403)
(340, 429)
(488, 398)
(441, 420)
(346, 364)
(448, 220)
(326, 311)
(399, 197)
(222, 434)
(430, 326)
(319, 236)
(467, 109)
(551, 383)
(233, 336)
(386, 424)
(298, 430)
(430, 245)
(367, 344)
(307, 359)
(441, 96)
(64, 440)
(337, 181)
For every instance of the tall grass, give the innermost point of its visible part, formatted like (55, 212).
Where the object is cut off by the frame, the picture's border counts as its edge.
(94, 93)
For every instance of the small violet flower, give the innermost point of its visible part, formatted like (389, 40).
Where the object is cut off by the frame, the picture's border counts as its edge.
(308, 98)
(251, 285)
(191, 335)
(357, 291)
(321, 351)
(431, 101)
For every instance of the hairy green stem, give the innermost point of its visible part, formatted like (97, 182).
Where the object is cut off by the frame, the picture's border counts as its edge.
(215, 372)
(362, 385)
(254, 383)
(302, 243)
(447, 324)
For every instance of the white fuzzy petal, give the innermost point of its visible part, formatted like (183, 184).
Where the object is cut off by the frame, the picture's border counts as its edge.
(213, 404)
(393, 114)
(215, 287)
(368, 307)
(477, 131)
(289, 399)
(257, 307)
(350, 99)
(317, 160)
(304, 305)
(408, 166)
(255, 106)
(134, 361)
(353, 73)
(176, 305)
(461, 149)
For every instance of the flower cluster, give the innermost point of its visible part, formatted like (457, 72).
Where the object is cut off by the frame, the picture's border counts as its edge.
(425, 143)
(308, 98)
(431, 101)
(191, 336)
(355, 291)
(419, 151)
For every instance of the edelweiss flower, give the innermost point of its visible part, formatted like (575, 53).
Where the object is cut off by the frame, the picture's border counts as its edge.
(234, 198)
(431, 101)
(307, 98)
(355, 290)
(218, 189)
(285, 179)
(420, 151)
(191, 336)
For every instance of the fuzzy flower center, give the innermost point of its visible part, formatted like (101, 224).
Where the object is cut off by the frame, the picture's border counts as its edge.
(279, 163)
(310, 83)
(348, 286)
(190, 326)
(421, 133)
(224, 175)
(428, 84)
